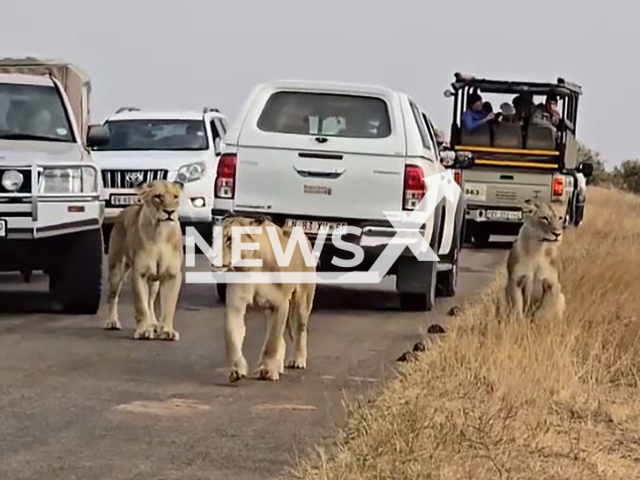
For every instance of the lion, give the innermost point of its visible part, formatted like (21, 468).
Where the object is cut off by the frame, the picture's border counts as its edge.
(287, 305)
(147, 239)
(533, 286)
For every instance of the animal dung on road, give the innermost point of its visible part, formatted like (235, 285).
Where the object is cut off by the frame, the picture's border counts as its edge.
(167, 408)
(436, 329)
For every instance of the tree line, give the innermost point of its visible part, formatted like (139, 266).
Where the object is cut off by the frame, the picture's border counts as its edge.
(625, 176)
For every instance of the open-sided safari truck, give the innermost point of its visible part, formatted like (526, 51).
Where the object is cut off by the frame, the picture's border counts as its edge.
(517, 157)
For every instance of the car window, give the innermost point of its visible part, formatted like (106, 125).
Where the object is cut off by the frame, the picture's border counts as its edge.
(430, 132)
(421, 127)
(214, 130)
(35, 111)
(324, 114)
(156, 135)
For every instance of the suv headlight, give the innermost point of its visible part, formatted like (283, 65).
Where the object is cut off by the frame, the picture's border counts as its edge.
(191, 172)
(68, 180)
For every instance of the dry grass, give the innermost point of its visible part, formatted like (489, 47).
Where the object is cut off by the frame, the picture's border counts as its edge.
(545, 401)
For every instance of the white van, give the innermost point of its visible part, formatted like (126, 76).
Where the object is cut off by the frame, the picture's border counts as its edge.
(318, 154)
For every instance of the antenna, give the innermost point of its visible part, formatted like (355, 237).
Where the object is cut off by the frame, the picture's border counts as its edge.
(127, 109)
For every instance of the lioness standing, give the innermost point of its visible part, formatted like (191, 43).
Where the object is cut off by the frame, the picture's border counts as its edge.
(533, 287)
(147, 239)
(287, 305)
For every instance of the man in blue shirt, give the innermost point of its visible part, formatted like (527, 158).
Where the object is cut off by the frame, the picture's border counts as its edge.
(475, 115)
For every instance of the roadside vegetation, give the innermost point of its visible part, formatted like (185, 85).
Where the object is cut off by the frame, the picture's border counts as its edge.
(519, 401)
(625, 176)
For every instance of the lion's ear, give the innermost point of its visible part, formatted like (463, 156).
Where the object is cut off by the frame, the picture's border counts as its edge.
(178, 184)
(259, 221)
(142, 188)
(530, 206)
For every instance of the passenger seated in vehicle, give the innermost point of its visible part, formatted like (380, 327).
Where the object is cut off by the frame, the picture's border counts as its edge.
(523, 104)
(547, 114)
(476, 114)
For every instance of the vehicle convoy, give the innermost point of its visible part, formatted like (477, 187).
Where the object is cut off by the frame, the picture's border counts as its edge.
(333, 155)
(152, 145)
(50, 209)
(517, 156)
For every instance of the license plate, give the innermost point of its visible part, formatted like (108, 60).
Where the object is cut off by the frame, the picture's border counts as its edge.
(503, 215)
(3, 228)
(313, 226)
(124, 200)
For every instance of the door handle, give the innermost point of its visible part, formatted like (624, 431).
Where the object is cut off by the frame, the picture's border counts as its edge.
(506, 177)
(335, 173)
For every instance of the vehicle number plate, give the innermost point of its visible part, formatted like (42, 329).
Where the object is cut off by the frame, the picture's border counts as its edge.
(124, 200)
(313, 226)
(504, 215)
(475, 191)
(3, 228)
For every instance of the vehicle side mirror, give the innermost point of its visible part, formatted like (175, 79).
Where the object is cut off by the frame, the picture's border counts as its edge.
(448, 93)
(464, 160)
(97, 136)
(586, 168)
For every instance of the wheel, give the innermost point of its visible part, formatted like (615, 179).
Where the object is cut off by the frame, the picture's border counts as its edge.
(447, 281)
(416, 284)
(221, 289)
(76, 278)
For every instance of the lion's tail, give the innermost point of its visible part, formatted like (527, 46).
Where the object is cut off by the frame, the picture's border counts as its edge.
(289, 325)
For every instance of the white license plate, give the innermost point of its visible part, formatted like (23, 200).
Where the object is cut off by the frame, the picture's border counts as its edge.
(313, 226)
(503, 215)
(3, 228)
(124, 200)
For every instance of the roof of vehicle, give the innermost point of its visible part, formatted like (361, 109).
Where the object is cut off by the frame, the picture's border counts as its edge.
(342, 87)
(136, 114)
(560, 87)
(23, 79)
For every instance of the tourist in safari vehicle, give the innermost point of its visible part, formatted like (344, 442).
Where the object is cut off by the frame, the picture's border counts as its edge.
(526, 150)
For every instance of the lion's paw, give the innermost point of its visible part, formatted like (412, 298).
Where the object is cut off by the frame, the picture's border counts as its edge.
(265, 373)
(146, 333)
(112, 324)
(168, 335)
(235, 375)
(297, 364)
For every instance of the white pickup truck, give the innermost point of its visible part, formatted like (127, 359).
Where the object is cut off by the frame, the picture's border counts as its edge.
(316, 154)
(50, 208)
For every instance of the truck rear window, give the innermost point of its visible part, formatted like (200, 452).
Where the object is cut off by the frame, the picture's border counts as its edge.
(325, 114)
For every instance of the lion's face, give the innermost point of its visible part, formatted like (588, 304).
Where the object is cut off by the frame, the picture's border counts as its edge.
(227, 240)
(162, 199)
(544, 221)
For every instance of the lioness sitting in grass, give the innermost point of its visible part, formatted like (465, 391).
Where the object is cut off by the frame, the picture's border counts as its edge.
(147, 239)
(533, 288)
(286, 305)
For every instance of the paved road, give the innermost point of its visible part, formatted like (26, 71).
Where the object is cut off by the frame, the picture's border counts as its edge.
(77, 402)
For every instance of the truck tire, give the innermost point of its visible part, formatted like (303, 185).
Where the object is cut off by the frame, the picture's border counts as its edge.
(447, 280)
(76, 278)
(416, 280)
(221, 290)
(416, 275)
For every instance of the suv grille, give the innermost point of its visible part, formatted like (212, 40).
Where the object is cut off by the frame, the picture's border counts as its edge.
(131, 178)
(26, 180)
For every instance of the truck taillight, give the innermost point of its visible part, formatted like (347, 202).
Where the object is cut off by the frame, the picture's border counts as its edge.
(226, 176)
(414, 186)
(457, 176)
(558, 186)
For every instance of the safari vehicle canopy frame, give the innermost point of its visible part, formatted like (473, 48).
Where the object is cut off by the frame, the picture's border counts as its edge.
(74, 80)
(512, 145)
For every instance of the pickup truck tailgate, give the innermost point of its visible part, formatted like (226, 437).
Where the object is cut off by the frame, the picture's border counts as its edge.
(500, 187)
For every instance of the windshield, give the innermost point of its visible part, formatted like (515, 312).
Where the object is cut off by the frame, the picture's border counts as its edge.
(326, 114)
(33, 112)
(156, 135)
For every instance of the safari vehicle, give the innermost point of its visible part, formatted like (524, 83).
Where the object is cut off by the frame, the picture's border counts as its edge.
(154, 145)
(50, 209)
(515, 158)
(331, 155)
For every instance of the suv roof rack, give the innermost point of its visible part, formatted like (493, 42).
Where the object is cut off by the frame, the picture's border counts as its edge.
(210, 109)
(127, 109)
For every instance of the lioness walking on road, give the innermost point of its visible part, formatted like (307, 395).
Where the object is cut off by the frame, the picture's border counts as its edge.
(533, 287)
(286, 305)
(147, 239)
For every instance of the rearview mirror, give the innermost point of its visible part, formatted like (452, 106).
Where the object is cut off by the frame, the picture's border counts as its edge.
(464, 160)
(448, 93)
(97, 136)
(586, 168)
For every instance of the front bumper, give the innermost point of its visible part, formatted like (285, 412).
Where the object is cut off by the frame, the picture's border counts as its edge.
(34, 215)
